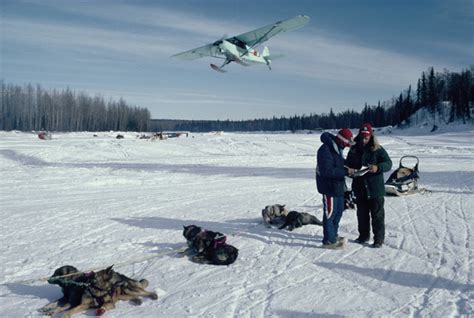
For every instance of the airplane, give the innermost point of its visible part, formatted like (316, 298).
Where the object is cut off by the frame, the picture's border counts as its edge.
(241, 48)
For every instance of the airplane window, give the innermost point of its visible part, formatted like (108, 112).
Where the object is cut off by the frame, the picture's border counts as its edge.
(238, 43)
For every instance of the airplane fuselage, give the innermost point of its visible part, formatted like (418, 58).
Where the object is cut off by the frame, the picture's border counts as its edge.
(238, 54)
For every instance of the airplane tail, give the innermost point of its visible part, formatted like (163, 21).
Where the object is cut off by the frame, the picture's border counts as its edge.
(265, 52)
(266, 57)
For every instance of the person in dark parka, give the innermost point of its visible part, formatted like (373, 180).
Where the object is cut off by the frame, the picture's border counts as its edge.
(330, 182)
(369, 189)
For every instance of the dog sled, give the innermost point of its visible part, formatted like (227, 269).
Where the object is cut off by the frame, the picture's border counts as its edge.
(404, 180)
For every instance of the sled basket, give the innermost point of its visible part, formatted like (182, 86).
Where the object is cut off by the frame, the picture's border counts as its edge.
(404, 180)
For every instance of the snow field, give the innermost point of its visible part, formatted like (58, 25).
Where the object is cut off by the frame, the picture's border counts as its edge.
(95, 201)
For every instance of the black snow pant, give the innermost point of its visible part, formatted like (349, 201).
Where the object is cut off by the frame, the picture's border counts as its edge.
(368, 209)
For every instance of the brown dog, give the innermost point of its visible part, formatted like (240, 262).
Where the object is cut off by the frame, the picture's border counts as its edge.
(100, 290)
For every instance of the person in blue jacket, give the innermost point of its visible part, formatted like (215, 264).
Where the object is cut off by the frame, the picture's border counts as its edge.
(330, 182)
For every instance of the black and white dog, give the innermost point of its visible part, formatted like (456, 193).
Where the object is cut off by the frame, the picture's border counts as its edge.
(274, 215)
(210, 247)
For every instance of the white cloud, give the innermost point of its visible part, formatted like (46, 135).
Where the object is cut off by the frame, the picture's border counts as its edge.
(93, 40)
(308, 54)
(324, 58)
(132, 34)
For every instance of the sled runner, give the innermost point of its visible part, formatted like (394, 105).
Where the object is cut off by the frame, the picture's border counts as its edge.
(404, 180)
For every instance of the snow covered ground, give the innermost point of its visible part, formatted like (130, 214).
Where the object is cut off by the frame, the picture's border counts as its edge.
(95, 201)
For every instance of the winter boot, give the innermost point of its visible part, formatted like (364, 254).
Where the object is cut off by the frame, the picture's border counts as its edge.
(334, 246)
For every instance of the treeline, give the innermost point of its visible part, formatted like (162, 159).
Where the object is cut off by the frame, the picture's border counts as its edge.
(31, 107)
(434, 90)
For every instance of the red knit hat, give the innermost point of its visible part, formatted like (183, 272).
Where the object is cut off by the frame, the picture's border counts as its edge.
(344, 137)
(366, 130)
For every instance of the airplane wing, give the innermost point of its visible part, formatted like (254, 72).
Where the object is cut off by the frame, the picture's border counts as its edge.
(260, 35)
(206, 50)
(249, 39)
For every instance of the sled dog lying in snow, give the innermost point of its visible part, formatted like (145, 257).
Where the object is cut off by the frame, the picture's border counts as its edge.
(210, 247)
(72, 293)
(274, 215)
(100, 290)
(278, 216)
(296, 219)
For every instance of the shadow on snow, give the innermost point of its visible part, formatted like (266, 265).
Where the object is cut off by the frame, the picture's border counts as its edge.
(198, 169)
(249, 228)
(416, 280)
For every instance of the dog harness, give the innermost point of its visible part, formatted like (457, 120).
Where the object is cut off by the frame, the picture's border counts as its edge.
(214, 239)
(63, 280)
(85, 283)
(219, 240)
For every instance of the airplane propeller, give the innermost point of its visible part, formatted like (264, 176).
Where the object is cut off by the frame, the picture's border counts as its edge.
(218, 43)
(222, 38)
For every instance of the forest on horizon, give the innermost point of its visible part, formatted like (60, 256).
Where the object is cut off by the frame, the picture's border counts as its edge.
(31, 107)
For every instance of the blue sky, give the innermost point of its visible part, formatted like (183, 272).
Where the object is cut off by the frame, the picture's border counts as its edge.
(351, 52)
